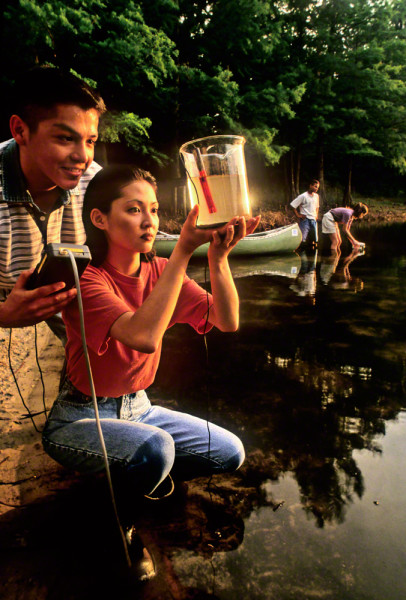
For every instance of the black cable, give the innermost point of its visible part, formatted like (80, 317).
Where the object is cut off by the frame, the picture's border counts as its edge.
(208, 399)
(96, 408)
(190, 178)
(18, 387)
(40, 372)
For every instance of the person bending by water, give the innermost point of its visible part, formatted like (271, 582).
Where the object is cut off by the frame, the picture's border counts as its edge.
(345, 217)
(130, 297)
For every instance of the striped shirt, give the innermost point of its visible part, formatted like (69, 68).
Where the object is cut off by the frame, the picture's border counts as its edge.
(24, 228)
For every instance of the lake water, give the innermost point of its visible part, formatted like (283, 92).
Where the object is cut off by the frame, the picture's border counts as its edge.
(314, 384)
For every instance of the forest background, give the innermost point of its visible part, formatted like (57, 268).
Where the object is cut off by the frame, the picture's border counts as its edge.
(317, 88)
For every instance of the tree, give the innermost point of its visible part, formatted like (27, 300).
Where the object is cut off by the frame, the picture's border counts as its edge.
(370, 87)
(308, 82)
(107, 43)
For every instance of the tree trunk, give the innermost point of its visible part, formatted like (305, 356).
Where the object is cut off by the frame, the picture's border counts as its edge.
(292, 183)
(347, 193)
(297, 173)
(320, 171)
(286, 186)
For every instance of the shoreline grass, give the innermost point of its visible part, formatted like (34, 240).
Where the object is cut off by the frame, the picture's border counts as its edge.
(380, 212)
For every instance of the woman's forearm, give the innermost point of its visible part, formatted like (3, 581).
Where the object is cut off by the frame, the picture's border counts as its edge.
(348, 233)
(224, 313)
(351, 237)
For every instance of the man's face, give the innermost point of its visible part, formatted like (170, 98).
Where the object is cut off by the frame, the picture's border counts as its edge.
(314, 187)
(61, 148)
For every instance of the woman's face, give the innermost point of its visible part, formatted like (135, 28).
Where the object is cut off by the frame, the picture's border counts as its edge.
(132, 223)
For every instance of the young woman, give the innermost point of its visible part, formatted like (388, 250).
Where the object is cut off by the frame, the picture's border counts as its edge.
(342, 216)
(129, 299)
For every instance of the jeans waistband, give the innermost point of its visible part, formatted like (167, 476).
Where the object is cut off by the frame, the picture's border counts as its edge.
(68, 389)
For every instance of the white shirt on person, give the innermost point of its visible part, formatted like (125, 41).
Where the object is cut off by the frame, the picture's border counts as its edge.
(308, 204)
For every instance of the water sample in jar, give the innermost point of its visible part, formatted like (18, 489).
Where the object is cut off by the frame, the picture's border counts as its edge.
(217, 178)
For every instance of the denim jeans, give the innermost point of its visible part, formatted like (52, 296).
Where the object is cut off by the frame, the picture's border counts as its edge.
(144, 442)
(306, 225)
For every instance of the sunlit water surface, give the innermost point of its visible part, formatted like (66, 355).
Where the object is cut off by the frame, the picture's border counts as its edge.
(314, 384)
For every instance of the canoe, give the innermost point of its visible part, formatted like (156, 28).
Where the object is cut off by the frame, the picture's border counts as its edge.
(274, 241)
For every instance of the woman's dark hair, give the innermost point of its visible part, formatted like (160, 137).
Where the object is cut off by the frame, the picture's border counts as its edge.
(103, 189)
(360, 209)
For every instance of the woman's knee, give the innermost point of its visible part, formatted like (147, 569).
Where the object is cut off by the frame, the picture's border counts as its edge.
(235, 458)
(155, 456)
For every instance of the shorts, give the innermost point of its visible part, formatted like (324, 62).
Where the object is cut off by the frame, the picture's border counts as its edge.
(328, 224)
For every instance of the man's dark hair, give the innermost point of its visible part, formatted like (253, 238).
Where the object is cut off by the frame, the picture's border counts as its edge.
(38, 91)
(314, 181)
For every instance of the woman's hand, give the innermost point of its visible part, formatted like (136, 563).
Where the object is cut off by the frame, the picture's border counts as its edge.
(357, 245)
(222, 240)
(191, 237)
(228, 236)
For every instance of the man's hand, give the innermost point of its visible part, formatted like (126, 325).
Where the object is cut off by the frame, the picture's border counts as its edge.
(26, 307)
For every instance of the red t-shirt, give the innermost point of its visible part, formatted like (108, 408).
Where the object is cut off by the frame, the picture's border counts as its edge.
(106, 295)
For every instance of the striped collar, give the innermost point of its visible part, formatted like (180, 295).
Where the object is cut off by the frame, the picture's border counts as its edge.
(12, 181)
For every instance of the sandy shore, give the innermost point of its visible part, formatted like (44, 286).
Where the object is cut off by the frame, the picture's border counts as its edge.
(26, 472)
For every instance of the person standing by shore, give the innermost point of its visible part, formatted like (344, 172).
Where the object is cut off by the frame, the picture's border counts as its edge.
(306, 209)
(343, 216)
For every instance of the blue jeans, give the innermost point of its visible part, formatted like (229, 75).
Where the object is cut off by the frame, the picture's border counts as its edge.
(144, 442)
(306, 225)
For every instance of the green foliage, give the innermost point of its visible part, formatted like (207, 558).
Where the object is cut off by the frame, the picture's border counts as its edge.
(132, 130)
(263, 142)
(292, 76)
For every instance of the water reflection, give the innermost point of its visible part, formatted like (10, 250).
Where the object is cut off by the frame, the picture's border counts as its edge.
(335, 271)
(332, 269)
(304, 384)
(306, 281)
(315, 390)
(287, 265)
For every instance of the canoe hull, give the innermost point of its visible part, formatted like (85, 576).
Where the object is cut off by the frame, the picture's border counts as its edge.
(276, 241)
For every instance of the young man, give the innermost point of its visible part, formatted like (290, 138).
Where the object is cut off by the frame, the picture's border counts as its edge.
(306, 209)
(44, 171)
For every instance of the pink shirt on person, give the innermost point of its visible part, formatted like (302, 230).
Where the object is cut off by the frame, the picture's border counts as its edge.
(106, 295)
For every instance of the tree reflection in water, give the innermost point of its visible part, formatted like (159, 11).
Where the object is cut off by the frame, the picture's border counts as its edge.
(303, 384)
